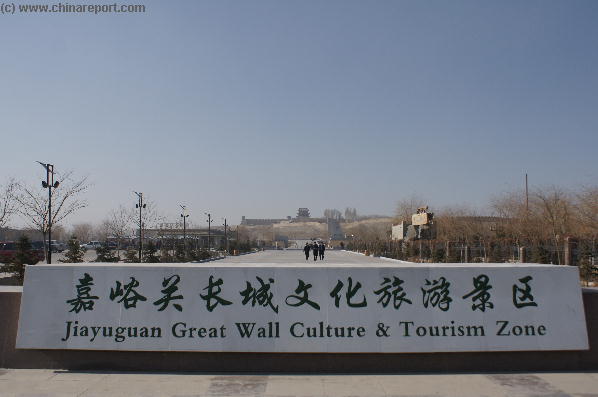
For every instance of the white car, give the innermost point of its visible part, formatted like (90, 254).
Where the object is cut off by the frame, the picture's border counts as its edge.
(92, 245)
(57, 246)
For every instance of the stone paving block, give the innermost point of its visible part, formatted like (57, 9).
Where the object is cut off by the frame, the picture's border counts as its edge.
(462, 385)
(583, 385)
(359, 385)
(295, 386)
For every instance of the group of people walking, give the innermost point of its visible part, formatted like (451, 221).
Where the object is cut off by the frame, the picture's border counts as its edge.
(317, 248)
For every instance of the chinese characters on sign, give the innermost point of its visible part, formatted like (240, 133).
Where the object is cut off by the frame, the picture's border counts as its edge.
(435, 294)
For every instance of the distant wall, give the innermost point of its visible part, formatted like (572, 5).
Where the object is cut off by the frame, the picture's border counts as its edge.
(10, 298)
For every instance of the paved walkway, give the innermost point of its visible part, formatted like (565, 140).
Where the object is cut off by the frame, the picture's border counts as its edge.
(331, 257)
(51, 383)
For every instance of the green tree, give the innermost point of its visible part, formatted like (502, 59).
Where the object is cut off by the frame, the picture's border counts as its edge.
(179, 253)
(426, 252)
(540, 254)
(104, 254)
(131, 256)
(587, 272)
(398, 251)
(165, 256)
(150, 253)
(202, 255)
(24, 256)
(494, 253)
(413, 250)
(438, 254)
(74, 253)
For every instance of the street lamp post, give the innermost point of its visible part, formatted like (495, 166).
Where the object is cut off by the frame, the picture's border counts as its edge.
(209, 230)
(49, 184)
(140, 205)
(184, 215)
(225, 236)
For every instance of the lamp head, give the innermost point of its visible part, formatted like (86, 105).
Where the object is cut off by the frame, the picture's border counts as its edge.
(56, 184)
(44, 184)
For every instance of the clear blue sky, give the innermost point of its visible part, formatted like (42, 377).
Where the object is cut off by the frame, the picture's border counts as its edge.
(257, 108)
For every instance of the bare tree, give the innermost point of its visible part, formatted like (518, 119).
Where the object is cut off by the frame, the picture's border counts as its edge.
(587, 211)
(149, 215)
(350, 214)
(7, 201)
(331, 213)
(59, 233)
(33, 202)
(101, 232)
(408, 206)
(555, 208)
(83, 231)
(519, 223)
(119, 224)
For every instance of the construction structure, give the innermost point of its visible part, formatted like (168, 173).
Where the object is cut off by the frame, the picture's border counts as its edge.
(421, 227)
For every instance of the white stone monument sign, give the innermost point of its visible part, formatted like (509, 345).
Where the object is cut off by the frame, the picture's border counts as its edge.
(292, 308)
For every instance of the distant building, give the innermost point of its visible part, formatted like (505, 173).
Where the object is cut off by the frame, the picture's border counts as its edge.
(421, 227)
(195, 236)
(335, 232)
(399, 232)
(302, 216)
(262, 222)
(303, 213)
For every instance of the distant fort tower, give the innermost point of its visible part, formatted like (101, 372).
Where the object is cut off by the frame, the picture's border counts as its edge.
(303, 213)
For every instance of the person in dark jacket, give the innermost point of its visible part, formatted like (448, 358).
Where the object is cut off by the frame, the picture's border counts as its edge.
(321, 249)
(315, 249)
(306, 249)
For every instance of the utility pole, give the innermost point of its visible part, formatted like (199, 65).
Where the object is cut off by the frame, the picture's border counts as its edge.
(209, 232)
(49, 184)
(184, 215)
(225, 236)
(526, 197)
(140, 205)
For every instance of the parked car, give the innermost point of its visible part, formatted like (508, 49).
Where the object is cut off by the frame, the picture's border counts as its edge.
(57, 246)
(91, 245)
(8, 250)
(111, 245)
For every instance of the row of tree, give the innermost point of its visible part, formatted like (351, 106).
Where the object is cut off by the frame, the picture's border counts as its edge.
(162, 252)
(548, 213)
(547, 225)
(350, 214)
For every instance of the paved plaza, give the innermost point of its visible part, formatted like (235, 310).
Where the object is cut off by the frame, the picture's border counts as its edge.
(51, 383)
